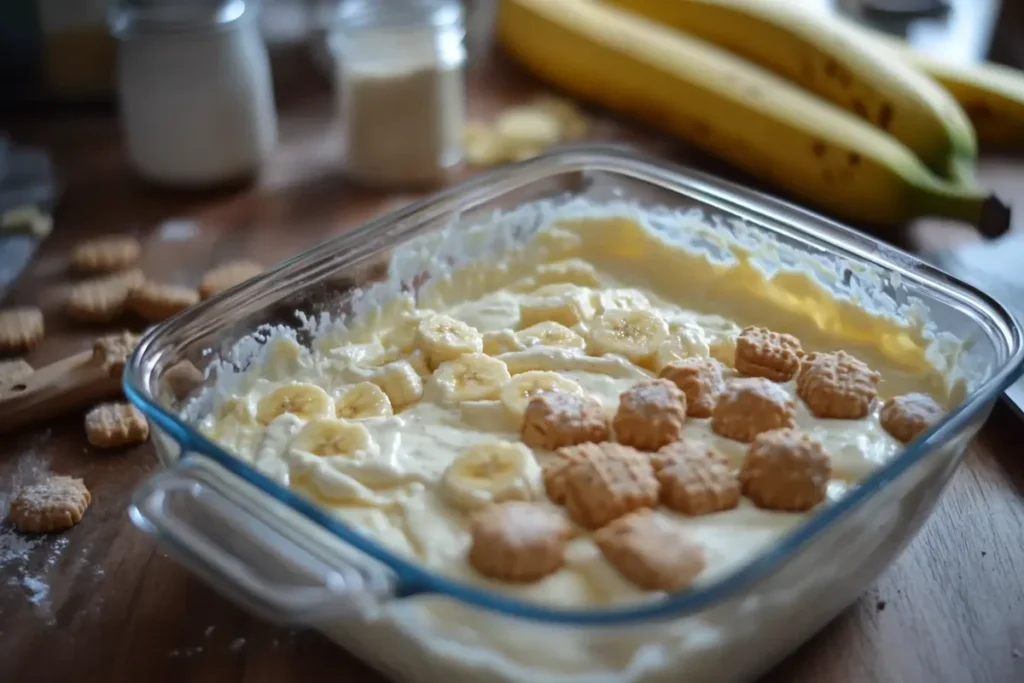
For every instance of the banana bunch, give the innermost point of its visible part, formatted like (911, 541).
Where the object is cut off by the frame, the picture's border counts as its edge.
(797, 98)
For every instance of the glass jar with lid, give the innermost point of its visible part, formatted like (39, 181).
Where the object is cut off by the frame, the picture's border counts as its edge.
(400, 88)
(194, 90)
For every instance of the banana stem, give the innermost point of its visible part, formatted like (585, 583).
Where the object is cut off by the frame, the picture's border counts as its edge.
(986, 212)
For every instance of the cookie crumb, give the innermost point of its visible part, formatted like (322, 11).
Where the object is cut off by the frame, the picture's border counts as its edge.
(750, 406)
(608, 484)
(651, 552)
(555, 420)
(53, 505)
(837, 385)
(20, 329)
(906, 417)
(518, 542)
(650, 415)
(761, 352)
(787, 470)
(113, 425)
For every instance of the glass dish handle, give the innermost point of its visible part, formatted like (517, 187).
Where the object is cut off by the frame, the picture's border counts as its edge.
(244, 554)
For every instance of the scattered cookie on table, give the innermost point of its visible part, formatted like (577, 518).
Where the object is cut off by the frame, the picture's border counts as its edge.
(102, 299)
(837, 385)
(113, 350)
(157, 301)
(226, 276)
(105, 254)
(650, 415)
(13, 371)
(764, 353)
(518, 541)
(906, 417)
(786, 469)
(113, 425)
(53, 505)
(20, 329)
(651, 551)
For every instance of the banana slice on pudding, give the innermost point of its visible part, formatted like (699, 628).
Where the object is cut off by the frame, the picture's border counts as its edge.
(491, 472)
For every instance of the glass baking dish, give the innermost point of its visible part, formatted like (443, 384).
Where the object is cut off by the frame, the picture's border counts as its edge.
(289, 560)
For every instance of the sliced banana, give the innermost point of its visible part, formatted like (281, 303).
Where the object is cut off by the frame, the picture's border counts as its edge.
(502, 341)
(237, 408)
(516, 394)
(284, 357)
(331, 436)
(444, 338)
(366, 355)
(635, 334)
(565, 304)
(549, 333)
(685, 340)
(307, 401)
(570, 271)
(362, 401)
(471, 377)
(401, 382)
(403, 336)
(491, 472)
(622, 299)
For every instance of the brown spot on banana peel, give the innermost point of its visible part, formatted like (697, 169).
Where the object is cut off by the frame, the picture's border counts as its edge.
(854, 159)
(860, 109)
(819, 149)
(885, 116)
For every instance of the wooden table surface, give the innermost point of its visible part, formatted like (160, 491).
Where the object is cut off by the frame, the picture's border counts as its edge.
(103, 604)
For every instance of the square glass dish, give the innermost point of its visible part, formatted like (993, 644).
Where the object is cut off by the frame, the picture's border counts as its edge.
(288, 559)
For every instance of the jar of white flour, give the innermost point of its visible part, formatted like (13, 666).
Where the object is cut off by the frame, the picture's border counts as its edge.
(197, 105)
(400, 89)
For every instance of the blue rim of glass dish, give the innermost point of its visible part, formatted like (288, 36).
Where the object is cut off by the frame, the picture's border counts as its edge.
(414, 580)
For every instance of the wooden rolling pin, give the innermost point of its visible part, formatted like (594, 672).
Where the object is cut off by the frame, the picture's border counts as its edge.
(77, 382)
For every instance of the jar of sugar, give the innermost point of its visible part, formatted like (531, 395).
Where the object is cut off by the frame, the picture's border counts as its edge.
(400, 89)
(194, 88)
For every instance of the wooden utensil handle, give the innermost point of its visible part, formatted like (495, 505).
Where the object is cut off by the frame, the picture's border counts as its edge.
(56, 389)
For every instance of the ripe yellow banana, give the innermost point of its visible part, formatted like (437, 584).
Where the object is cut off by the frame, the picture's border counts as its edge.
(745, 114)
(991, 94)
(826, 56)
